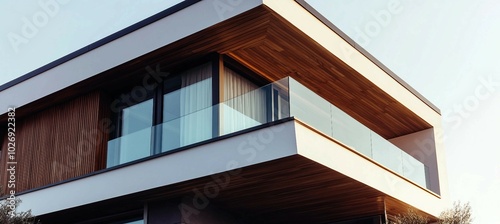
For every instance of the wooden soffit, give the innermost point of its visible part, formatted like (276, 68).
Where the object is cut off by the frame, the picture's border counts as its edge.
(293, 189)
(266, 43)
(273, 48)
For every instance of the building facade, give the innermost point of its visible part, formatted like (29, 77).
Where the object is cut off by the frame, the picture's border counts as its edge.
(222, 112)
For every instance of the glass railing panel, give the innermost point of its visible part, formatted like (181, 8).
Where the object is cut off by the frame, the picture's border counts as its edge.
(244, 111)
(130, 147)
(186, 130)
(280, 101)
(310, 108)
(171, 134)
(414, 169)
(350, 132)
(386, 153)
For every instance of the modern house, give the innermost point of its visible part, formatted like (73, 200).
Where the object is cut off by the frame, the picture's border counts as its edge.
(222, 111)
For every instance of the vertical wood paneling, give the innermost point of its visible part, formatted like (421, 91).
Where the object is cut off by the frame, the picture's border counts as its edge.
(58, 143)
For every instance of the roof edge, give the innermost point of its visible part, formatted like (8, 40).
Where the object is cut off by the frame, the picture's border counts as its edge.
(149, 20)
(364, 52)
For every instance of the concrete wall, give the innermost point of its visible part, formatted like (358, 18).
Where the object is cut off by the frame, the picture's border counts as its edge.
(422, 146)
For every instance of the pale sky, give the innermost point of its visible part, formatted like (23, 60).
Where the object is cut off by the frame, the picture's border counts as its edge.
(448, 50)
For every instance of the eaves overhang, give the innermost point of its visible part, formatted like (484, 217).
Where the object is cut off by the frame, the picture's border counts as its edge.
(259, 36)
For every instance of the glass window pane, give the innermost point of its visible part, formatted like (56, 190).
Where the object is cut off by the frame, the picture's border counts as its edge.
(244, 103)
(135, 222)
(187, 112)
(137, 117)
(135, 140)
(172, 105)
(171, 126)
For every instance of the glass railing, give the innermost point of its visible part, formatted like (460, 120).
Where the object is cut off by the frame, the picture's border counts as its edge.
(315, 111)
(275, 101)
(247, 110)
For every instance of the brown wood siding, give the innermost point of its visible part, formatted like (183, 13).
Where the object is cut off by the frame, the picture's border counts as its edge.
(270, 46)
(58, 143)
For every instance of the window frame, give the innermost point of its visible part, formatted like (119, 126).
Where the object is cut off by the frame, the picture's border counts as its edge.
(218, 64)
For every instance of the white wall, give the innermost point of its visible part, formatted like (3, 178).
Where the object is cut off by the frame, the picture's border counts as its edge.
(147, 39)
(239, 151)
(422, 146)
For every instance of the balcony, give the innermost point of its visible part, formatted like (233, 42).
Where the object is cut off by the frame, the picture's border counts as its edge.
(279, 100)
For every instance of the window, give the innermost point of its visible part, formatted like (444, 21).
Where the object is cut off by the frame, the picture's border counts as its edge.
(187, 108)
(244, 103)
(135, 222)
(193, 105)
(135, 129)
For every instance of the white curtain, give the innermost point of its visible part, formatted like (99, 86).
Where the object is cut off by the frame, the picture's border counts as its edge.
(196, 105)
(244, 103)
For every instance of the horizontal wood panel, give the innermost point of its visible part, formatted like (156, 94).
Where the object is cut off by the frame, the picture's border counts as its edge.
(269, 45)
(289, 52)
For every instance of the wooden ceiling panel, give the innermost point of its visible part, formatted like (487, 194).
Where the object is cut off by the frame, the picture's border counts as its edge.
(287, 51)
(273, 48)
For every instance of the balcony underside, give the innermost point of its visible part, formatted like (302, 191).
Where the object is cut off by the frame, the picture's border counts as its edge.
(288, 190)
(289, 180)
(270, 46)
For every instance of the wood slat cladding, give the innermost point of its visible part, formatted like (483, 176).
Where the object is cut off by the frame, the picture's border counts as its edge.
(58, 143)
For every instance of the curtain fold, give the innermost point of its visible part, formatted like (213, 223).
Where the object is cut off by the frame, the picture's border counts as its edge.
(196, 105)
(244, 103)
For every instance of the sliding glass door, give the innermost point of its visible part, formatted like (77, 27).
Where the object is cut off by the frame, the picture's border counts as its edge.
(194, 105)
(134, 141)
(187, 108)
(244, 103)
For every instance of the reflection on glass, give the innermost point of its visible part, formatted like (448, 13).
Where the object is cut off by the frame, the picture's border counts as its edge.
(310, 108)
(386, 153)
(188, 118)
(129, 147)
(350, 132)
(313, 110)
(137, 117)
(171, 135)
(244, 103)
(135, 222)
(414, 169)
(187, 113)
(136, 122)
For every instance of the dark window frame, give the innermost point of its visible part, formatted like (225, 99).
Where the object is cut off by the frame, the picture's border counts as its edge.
(218, 63)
